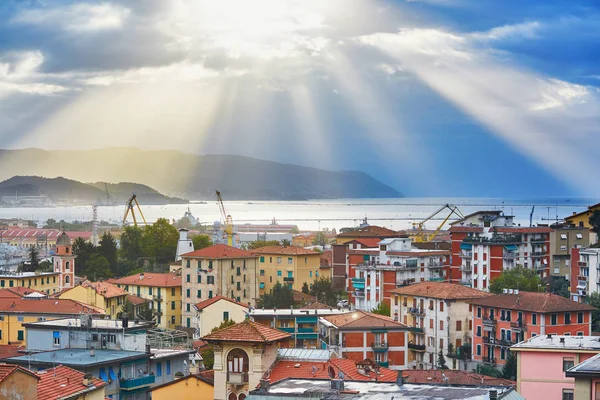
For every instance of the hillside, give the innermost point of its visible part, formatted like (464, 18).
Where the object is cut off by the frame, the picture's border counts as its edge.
(194, 177)
(67, 191)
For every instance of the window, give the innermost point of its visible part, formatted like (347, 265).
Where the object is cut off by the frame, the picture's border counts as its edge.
(150, 289)
(290, 260)
(56, 338)
(262, 259)
(479, 330)
(278, 260)
(478, 349)
(568, 362)
(279, 273)
(478, 312)
(159, 369)
(262, 272)
(237, 361)
(199, 278)
(172, 305)
(210, 296)
(20, 335)
(441, 325)
(508, 315)
(187, 307)
(459, 325)
(189, 325)
(533, 319)
(172, 291)
(563, 236)
(580, 318)
(567, 318)
(310, 274)
(238, 271)
(188, 279)
(210, 280)
(199, 294)
(225, 315)
(502, 353)
(430, 323)
(187, 263)
(187, 292)
(199, 264)
(20, 319)
(442, 305)
(210, 264)
(568, 394)
(238, 286)
(553, 319)
(168, 367)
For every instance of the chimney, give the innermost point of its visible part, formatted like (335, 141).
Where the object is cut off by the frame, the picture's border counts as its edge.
(264, 386)
(562, 340)
(399, 380)
(92, 351)
(493, 395)
(141, 276)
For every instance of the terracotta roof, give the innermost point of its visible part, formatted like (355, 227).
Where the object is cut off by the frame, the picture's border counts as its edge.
(208, 375)
(463, 378)
(534, 302)
(106, 289)
(7, 369)
(46, 306)
(316, 306)
(528, 229)
(18, 292)
(204, 376)
(440, 290)
(9, 350)
(425, 253)
(365, 242)
(247, 331)
(300, 296)
(135, 300)
(203, 304)
(369, 231)
(363, 320)
(61, 382)
(589, 210)
(295, 369)
(198, 344)
(219, 251)
(288, 250)
(149, 279)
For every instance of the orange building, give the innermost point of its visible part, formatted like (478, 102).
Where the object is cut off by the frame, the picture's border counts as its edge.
(503, 320)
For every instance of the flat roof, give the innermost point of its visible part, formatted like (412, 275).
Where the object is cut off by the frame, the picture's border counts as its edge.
(105, 324)
(78, 357)
(304, 354)
(559, 342)
(165, 353)
(21, 275)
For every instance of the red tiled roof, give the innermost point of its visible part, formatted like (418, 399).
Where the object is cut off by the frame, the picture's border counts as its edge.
(9, 350)
(247, 331)
(528, 229)
(149, 279)
(363, 320)
(46, 306)
(288, 250)
(106, 289)
(534, 302)
(440, 290)
(198, 344)
(135, 300)
(9, 294)
(285, 369)
(463, 378)
(219, 251)
(208, 375)
(203, 304)
(369, 231)
(49, 233)
(426, 253)
(316, 306)
(61, 381)
(300, 297)
(18, 292)
(365, 242)
(7, 369)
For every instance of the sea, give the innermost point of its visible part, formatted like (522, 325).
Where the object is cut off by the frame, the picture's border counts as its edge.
(395, 214)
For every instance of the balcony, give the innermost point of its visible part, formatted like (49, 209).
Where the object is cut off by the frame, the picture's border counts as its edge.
(518, 326)
(466, 254)
(467, 267)
(510, 255)
(538, 253)
(416, 311)
(416, 347)
(583, 264)
(489, 321)
(417, 330)
(157, 298)
(288, 330)
(136, 383)
(380, 346)
(435, 265)
(237, 378)
(539, 239)
(288, 279)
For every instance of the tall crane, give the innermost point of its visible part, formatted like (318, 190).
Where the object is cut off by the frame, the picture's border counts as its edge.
(531, 216)
(420, 226)
(129, 207)
(227, 220)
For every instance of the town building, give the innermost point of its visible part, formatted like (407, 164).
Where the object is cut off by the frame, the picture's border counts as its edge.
(301, 324)
(163, 292)
(104, 295)
(587, 379)
(453, 378)
(62, 382)
(359, 335)
(582, 219)
(440, 316)
(191, 387)
(563, 238)
(18, 383)
(585, 273)
(374, 272)
(210, 313)
(47, 282)
(15, 313)
(543, 362)
(503, 320)
(486, 243)
(218, 270)
(44, 239)
(291, 266)
(242, 355)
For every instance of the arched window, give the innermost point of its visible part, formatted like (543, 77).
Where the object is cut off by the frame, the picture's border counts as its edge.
(232, 396)
(237, 361)
(57, 266)
(67, 265)
(242, 396)
(67, 250)
(67, 279)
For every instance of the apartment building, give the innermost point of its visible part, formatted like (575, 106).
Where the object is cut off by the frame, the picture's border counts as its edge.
(503, 320)
(440, 316)
(563, 238)
(104, 295)
(210, 313)
(359, 335)
(290, 265)
(585, 272)
(486, 243)
(218, 270)
(163, 292)
(582, 219)
(374, 272)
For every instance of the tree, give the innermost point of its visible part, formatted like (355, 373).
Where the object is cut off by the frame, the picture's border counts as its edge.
(83, 250)
(285, 243)
(594, 300)
(159, 241)
(441, 363)
(320, 239)
(262, 243)
(509, 371)
(322, 289)
(281, 296)
(517, 278)
(488, 371)
(560, 286)
(595, 223)
(97, 267)
(305, 288)
(382, 309)
(208, 353)
(108, 249)
(131, 244)
(45, 266)
(295, 230)
(201, 242)
(34, 259)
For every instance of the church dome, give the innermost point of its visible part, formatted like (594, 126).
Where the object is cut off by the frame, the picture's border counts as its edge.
(63, 240)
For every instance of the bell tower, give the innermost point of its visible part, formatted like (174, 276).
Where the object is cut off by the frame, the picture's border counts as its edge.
(64, 262)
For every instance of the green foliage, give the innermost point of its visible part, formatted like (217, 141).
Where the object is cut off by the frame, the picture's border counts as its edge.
(320, 239)
(509, 371)
(594, 300)
(285, 243)
(595, 223)
(129, 309)
(382, 309)
(83, 250)
(517, 278)
(34, 260)
(224, 324)
(97, 267)
(295, 230)
(45, 266)
(488, 371)
(441, 362)
(208, 353)
(305, 288)
(131, 244)
(145, 312)
(560, 286)
(159, 241)
(108, 249)
(262, 243)
(281, 296)
(322, 289)
(201, 242)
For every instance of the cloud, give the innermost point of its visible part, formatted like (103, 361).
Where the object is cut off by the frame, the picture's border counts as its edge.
(526, 30)
(556, 93)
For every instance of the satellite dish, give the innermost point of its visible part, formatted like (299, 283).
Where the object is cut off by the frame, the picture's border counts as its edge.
(331, 372)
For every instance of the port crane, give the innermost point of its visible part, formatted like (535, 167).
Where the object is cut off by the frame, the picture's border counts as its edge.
(129, 207)
(420, 226)
(227, 220)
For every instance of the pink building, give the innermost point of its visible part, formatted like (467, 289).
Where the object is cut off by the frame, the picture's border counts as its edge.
(587, 378)
(542, 363)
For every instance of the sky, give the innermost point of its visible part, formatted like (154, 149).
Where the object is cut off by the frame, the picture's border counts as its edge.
(480, 98)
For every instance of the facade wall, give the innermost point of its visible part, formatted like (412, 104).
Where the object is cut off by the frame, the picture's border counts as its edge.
(169, 366)
(47, 283)
(19, 386)
(165, 301)
(213, 315)
(112, 306)
(188, 388)
(290, 270)
(358, 345)
(11, 326)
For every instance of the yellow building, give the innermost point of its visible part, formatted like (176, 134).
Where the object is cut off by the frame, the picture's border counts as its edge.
(370, 232)
(15, 312)
(582, 219)
(291, 266)
(17, 383)
(47, 282)
(163, 291)
(191, 387)
(103, 295)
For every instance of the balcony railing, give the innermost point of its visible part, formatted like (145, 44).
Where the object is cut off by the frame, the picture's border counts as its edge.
(538, 253)
(467, 268)
(411, 265)
(582, 264)
(489, 361)
(237, 378)
(135, 383)
(495, 239)
(489, 321)
(509, 255)
(416, 311)
(379, 346)
(436, 265)
(417, 330)
(157, 298)
(466, 254)
(288, 279)
(518, 325)
(416, 347)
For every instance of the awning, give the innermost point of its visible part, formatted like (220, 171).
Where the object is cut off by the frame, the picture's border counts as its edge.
(581, 286)
(511, 247)
(466, 246)
(103, 375)
(56, 334)
(111, 373)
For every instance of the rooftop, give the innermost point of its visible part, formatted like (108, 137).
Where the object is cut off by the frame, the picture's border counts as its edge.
(522, 229)
(369, 231)
(19, 292)
(559, 342)
(105, 289)
(135, 300)
(9, 350)
(316, 306)
(363, 320)
(531, 301)
(302, 312)
(287, 250)
(45, 306)
(452, 377)
(49, 233)
(61, 382)
(590, 367)
(97, 323)
(441, 290)
(203, 304)
(149, 279)
(204, 376)
(78, 358)
(219, 251)
(247, 331)
(7, 369)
